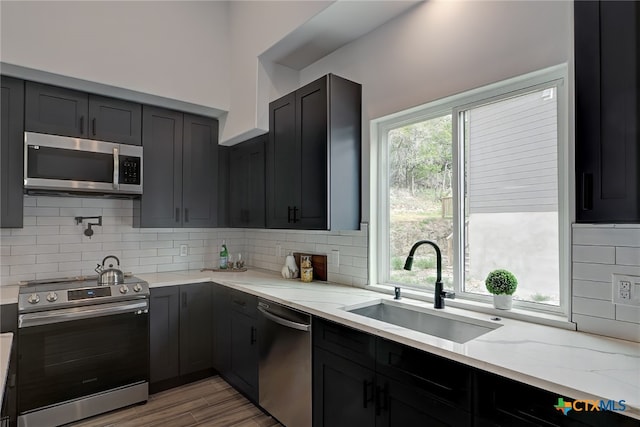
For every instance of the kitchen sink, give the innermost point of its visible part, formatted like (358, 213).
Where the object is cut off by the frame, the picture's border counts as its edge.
(449, 326)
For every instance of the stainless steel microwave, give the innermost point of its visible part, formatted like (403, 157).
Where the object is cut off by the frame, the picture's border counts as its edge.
(66, 164)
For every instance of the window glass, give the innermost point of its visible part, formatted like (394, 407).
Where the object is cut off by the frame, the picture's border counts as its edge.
(420, 200)
(480, 175)
(511, 193)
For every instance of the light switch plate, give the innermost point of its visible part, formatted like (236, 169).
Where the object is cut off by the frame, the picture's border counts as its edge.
(626, 289)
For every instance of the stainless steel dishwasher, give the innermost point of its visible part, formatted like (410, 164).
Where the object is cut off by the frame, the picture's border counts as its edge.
(284, 372)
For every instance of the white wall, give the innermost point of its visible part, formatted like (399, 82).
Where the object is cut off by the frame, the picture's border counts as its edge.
(441, 48)
(174, 49)
(254, 27)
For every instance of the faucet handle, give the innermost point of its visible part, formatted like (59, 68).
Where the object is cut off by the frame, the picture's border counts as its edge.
(450, 295)
(396, 292)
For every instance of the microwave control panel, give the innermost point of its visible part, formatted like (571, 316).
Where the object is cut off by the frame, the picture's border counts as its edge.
(130, 170)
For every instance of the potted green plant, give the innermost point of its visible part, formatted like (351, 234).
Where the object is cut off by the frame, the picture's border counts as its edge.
(502, 284)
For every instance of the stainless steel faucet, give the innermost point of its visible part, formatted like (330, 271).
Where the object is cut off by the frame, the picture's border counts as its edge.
(440, 294)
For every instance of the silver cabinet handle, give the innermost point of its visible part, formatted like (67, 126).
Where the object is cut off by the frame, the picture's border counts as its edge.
(284, 322)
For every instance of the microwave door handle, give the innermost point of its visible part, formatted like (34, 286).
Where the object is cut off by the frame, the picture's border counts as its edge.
(116, 168)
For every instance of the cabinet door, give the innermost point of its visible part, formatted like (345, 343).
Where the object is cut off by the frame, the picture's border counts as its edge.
(403, 405)
(311, 132)
(196, 328)
(343, 392)
(607, 40)
(244, 354)
(9, 323)
(161, 202)
(224, 219)
(11, 152)
(221, 330)
(164, 334)
(115, 120)
(200, 172)
(283, 164)
(247, 183)
(56, 110)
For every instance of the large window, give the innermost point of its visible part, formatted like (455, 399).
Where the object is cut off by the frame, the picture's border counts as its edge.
(482, 175)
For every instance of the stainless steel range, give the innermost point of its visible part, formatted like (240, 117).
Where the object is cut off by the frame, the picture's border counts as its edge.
(83, 348)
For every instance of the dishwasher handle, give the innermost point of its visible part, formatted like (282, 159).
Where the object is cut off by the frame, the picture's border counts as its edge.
(284, 322)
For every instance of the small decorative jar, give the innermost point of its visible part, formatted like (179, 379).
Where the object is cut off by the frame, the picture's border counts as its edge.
(306, 269)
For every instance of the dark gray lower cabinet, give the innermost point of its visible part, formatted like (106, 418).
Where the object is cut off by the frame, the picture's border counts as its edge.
(235, 354)
(9, 323)
(181, 331)
(364, 380)
(393, 386)
(500, 402)
(11, 152)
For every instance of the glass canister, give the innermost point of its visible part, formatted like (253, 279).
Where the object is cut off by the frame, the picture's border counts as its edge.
(306, 269)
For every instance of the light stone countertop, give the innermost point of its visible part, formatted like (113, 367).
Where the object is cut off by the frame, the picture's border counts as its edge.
(572, 364)
(5, 354)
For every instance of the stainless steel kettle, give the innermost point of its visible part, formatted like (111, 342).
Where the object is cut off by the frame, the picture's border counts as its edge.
(111, 275)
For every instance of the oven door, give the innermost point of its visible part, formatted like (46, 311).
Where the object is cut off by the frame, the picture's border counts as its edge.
(68, 354)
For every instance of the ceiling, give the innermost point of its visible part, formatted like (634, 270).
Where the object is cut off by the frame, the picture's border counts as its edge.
(339, 24)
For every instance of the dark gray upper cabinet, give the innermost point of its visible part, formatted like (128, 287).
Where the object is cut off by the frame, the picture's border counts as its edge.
(223, 186)
(607, 45)
(247, 183)
(11, 152)
(313, 157)
(200, 172)
(115, 120)
(61, 111)
(180, 174)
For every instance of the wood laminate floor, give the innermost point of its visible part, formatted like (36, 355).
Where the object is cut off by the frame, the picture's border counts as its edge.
(210, 402)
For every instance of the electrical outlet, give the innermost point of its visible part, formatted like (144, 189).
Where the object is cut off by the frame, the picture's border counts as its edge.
(184, 250)
(626, 290)
(278, 250)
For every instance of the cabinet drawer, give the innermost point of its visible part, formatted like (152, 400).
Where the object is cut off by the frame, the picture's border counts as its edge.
(503, 402)
(352, 344)
(243, 303)
(444, 379)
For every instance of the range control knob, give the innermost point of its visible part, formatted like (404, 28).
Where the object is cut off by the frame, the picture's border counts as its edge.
(52, 297)
(33, 299)
(124, 289)
(137, 287)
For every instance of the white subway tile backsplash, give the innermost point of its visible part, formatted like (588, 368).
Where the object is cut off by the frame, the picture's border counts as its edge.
(594, 307)
(59, 238)
(33, 268)
(627, 313)
(51, 244)
(48, 258)
(628, 256)
(606, 236)
(598, 252)
(594, 254)
(611, 328)
(594, 290)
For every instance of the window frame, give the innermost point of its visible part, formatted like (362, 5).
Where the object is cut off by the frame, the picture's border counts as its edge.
(455, 105)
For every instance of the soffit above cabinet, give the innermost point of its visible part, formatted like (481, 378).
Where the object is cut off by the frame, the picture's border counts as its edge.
(334, 27)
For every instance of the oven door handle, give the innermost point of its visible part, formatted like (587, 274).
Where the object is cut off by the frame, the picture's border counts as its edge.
(85, 312)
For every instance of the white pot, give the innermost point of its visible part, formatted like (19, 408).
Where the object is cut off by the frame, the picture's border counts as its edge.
(503, 302)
